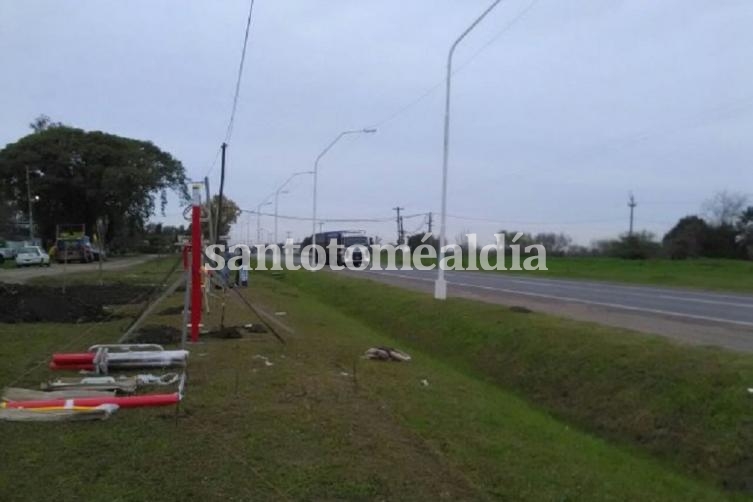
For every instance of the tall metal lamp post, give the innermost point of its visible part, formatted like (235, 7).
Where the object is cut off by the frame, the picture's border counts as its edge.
(265, 202)
(280, 191)
(316, 172)
(440, 285)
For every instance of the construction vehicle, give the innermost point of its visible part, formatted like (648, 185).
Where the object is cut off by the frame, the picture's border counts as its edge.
(72, 244)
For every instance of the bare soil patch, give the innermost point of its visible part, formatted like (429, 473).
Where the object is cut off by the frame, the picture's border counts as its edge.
(79, 303)
(162, 335)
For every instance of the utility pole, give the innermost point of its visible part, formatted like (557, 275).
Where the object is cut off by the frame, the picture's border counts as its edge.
(430, 215)
(219, 200)
(28, 196)
(321, 226)
(631, 204)
(399, 221)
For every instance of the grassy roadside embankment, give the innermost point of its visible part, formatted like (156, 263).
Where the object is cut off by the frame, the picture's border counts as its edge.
(720, 275)
(704, 274)
(686, 405)
(311, 420)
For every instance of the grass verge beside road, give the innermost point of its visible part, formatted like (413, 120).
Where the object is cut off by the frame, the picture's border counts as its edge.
(721, 275)
(702, 273)
(686, 405)
(312, 421)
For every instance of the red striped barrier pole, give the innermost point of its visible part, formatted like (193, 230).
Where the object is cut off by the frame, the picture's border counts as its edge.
(72, 367)
(63, 359)
(196, 264)
(123, 402)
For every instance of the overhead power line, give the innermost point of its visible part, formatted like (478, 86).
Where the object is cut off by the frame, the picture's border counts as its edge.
(240, 73)
(499, 221)
(334, 220)
(431, 90)
(236, 95)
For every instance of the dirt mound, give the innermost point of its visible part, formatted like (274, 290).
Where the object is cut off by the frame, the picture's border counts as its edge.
(80, 303)
(162, 335)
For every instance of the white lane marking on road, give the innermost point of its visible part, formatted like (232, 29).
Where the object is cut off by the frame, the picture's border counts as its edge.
(578, 300)
(512, 276)
(621, 290)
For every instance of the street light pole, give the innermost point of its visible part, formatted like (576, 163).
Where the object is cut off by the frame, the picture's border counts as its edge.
(316, 173)
(28, 196)
(263, 203)
(279, 191)
(440, 285)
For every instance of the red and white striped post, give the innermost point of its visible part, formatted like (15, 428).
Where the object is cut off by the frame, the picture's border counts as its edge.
(196, 250)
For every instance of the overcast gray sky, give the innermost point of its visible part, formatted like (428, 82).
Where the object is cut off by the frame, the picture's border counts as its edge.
(555, 120)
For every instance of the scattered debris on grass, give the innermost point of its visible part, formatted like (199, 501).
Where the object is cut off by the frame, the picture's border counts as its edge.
(425, 382)
(281, 314)
(266, 360)
(386, 354)
(100, 412)
(80, 303)
(121, 384)
(21, 394)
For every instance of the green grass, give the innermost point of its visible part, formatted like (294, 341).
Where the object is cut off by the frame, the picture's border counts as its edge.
(319, 424)
(151, 272)
(686, 405)
(721, 275)
(704, 273)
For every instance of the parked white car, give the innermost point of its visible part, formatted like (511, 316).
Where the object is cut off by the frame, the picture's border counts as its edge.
(32, 255)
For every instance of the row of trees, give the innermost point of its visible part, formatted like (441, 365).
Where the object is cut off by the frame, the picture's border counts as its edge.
(77, 176)
(725, 232)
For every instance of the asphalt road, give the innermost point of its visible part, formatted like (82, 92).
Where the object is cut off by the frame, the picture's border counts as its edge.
(23, 274)
(698, 317)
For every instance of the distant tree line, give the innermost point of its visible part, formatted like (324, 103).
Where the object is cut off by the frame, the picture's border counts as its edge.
(726, 231)
(93, 178)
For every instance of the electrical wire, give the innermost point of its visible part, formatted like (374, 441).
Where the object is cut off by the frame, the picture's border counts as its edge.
(240, 73)
(517, 222)
(333, 220)
(431, 90)
(236, 95)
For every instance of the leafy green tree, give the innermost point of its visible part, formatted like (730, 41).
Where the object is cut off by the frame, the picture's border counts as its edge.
(416, 240)
(745, 231)
(230, 213)
(725, 207)
(555, 244)
(637, 246)
(687, 239)
(80, 176)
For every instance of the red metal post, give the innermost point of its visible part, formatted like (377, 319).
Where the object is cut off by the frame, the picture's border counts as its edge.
(196, 250)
